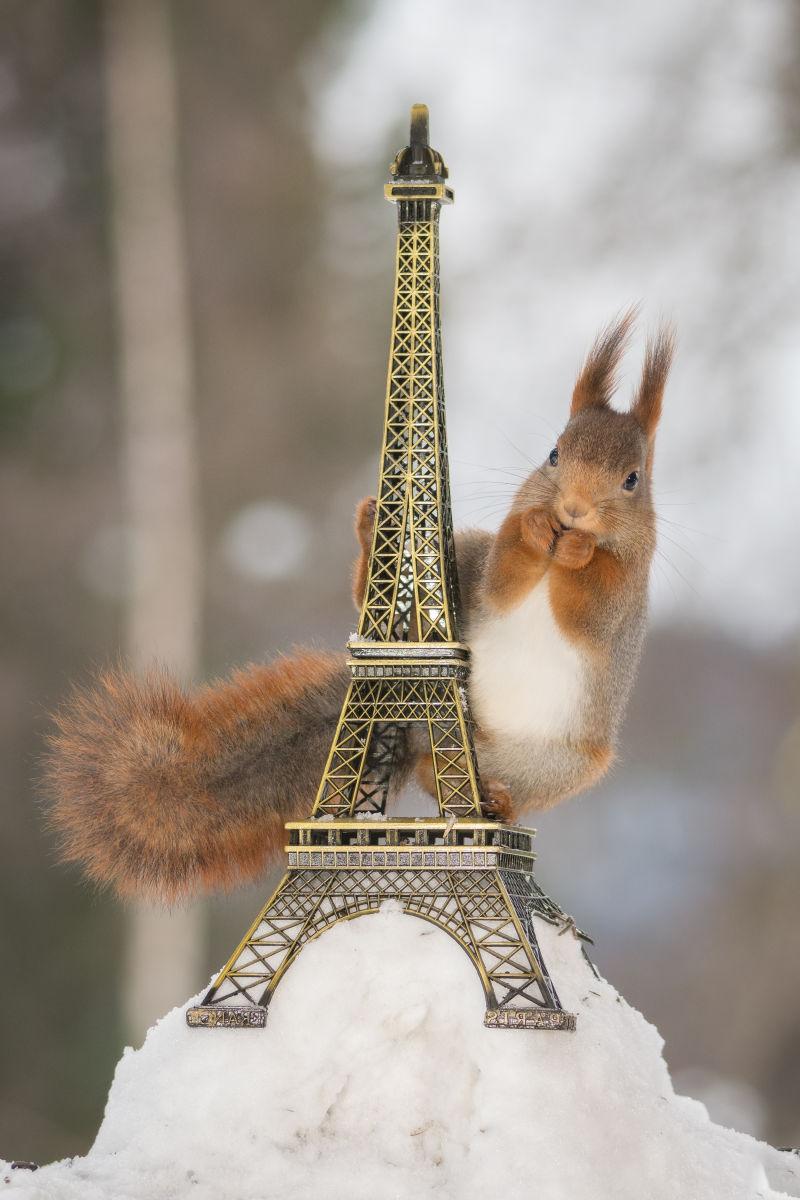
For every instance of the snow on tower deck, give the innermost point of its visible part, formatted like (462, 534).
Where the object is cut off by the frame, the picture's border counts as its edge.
(375, 1079)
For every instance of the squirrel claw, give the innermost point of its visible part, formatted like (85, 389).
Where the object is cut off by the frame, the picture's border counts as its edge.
(498, 804)
(574, 548)
(541, 529)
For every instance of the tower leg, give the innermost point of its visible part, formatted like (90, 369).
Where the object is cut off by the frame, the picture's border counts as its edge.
(373, 790)
(454, 766)
(348, 758)
(383, 699)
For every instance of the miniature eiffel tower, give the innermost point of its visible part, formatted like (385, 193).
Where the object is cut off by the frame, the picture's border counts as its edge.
(470, 876)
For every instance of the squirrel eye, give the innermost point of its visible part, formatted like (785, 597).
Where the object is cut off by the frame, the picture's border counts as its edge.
(554, 456)
(631, 482)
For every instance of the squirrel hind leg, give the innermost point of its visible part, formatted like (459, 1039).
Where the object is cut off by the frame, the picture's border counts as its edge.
(544, 774)
(424, 774)
(498, 803)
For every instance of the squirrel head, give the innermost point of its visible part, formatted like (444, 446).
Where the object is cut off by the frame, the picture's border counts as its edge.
(597, 477)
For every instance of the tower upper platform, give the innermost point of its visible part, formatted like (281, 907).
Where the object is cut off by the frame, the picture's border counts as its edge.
(418, 171)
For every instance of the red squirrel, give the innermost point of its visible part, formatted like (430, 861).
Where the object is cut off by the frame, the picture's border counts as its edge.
(162, 793)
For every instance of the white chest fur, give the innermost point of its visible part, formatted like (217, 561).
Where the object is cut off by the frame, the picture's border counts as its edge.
(527, 678)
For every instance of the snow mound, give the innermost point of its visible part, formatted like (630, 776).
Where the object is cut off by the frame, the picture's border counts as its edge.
(376, 1079)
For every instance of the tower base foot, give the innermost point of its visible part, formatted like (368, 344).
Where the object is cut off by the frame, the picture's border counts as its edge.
(529, 1018)
(221, 1016)
(254, 1016)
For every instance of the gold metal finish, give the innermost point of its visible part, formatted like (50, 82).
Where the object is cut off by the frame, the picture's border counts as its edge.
(469, 876)
(412, 587)
(479, 891)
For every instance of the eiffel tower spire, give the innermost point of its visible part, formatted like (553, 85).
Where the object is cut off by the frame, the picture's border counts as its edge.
(407, 662)
(411, 569)
(470, 876)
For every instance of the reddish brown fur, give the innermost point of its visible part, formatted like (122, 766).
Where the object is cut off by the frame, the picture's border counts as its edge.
(592, 550)
(647, 405)
(364, 525)
(497, 799)
(574, 594)
(595, 542)
(518, 557)
(162, 792)
(597, 379)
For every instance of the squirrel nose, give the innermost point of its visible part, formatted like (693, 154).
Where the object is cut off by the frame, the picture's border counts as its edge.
(575, 510)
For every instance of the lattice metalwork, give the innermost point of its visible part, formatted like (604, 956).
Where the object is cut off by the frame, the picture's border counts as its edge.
(412, 524)
(469, 876)
(428, 693)
(407, 663)
(373, 786)
(472, 882)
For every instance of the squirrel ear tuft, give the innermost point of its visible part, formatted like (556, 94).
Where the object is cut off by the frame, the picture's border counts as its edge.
(658, 357)
(597, 380)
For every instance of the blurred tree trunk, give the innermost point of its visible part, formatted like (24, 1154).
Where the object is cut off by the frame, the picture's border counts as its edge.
(159, 458)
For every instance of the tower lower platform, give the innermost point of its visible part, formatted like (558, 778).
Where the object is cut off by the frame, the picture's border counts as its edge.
(473, 879)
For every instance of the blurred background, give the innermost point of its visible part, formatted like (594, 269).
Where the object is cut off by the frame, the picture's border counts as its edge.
(196, 265)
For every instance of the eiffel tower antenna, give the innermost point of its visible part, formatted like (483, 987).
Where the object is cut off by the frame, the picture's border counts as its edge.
(470, 876)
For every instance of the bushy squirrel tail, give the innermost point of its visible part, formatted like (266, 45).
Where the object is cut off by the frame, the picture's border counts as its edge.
(162, 793)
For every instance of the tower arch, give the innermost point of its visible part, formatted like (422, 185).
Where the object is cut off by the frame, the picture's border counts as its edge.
(366, 911)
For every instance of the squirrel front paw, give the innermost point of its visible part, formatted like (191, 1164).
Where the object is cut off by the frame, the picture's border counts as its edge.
(574, 548)
(540, 529)
(365, 521)
(498, 803)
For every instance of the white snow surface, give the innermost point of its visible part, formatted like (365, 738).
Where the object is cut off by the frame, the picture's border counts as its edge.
(376, 1079)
